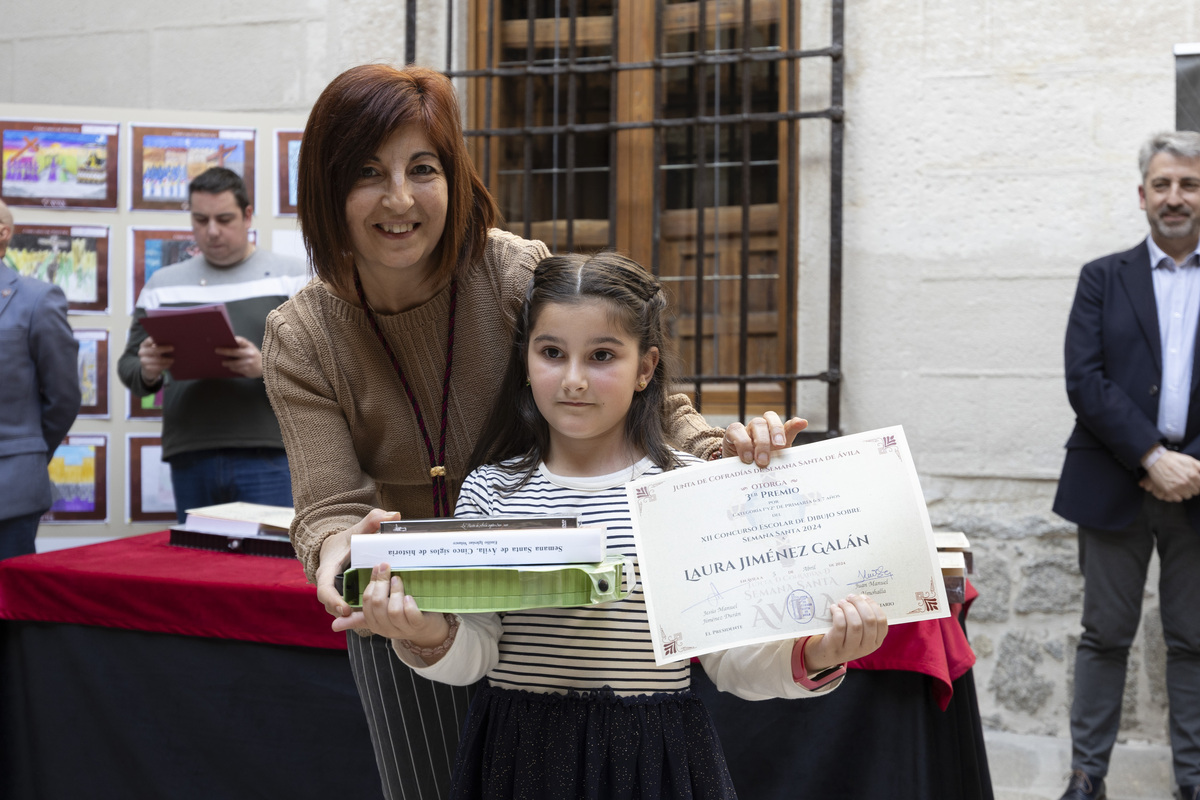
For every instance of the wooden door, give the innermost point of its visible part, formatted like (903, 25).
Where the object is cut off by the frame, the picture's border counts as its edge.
(647, 126)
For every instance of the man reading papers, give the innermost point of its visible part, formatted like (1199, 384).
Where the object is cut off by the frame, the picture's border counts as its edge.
(219, 435)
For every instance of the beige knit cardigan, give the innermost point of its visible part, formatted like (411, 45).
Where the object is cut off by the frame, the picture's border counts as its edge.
(351, 436)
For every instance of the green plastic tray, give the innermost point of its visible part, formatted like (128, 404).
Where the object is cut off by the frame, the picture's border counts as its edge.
(471, 590)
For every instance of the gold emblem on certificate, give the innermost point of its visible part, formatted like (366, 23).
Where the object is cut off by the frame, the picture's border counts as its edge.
(732, 554)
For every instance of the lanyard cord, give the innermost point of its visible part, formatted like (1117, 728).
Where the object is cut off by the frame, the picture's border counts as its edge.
(437, 468)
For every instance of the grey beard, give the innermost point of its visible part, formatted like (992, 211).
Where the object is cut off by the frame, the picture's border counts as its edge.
(1178, 230)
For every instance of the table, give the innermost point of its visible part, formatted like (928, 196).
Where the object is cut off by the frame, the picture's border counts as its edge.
(135, 668)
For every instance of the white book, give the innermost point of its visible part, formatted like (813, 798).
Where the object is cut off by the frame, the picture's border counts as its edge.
(954, 574)
(951, 540)
(953, 563)
(240, 519)
(956, 542)
(479, 548)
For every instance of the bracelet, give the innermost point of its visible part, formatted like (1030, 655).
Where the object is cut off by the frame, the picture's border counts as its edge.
(441, 649)
(813, 682)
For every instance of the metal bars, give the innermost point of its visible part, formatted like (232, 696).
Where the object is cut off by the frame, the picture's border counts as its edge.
(562, 128)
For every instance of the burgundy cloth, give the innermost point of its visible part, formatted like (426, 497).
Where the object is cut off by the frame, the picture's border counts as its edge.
(144, 583)
(936, 647)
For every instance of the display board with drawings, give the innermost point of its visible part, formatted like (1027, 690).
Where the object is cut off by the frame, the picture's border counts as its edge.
(99, 197)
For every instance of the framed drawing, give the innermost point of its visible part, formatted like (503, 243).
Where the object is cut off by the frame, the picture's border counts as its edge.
(151, 249)
(73, 257)
(148, 407)
(79, 479)
(148, 493)
(166, 158)
(287, 158)
(53, 164)
(93, 372)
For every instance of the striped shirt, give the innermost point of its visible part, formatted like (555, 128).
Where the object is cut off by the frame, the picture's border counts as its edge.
(558, 649)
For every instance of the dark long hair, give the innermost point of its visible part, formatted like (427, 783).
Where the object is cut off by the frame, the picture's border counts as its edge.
(515, 429)
(354, 115)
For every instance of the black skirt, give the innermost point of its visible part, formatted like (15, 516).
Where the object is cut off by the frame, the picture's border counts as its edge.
(879, 734)
(532, 746)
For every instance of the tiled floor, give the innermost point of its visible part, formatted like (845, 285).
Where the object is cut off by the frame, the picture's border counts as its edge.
(1037, 768)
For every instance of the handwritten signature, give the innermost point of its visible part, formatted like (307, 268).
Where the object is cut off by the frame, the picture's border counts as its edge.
(879, 573)
(713, 596)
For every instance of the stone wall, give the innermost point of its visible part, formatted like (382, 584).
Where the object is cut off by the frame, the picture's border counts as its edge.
(991, 151)
(1025, 624)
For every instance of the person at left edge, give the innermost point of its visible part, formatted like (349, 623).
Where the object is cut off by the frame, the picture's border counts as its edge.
(220, 436)
(39, 396)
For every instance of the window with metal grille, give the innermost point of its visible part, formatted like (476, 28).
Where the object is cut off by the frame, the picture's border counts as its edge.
(1187, 87)
(670, 131)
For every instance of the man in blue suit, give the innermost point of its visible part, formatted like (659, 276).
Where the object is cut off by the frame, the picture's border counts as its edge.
(39, 395)
(1131, 479)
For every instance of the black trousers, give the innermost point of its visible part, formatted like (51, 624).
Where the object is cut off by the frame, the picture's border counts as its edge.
(1114, 566)
(17, 535)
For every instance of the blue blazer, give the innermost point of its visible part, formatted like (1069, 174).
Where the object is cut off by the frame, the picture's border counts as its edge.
(1114, 370)
(39, 388)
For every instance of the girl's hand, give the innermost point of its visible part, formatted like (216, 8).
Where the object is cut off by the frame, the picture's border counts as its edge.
(391, 613)
(859, 626)
(754, 442)
(335, 558)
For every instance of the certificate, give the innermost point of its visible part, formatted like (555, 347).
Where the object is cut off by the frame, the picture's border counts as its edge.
(732, 554)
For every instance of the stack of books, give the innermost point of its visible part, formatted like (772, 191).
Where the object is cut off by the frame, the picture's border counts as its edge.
(247, 528)
(954, 554)
(489, 564)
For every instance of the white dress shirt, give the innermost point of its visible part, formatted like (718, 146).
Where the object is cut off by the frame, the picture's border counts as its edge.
(1177, 296)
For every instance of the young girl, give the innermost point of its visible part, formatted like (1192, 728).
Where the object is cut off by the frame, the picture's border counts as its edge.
(575, 706)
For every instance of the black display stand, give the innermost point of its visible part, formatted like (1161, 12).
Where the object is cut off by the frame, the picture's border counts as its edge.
(106, 713)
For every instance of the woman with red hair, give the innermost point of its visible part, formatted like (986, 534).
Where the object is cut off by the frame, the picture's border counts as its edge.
(382, 371)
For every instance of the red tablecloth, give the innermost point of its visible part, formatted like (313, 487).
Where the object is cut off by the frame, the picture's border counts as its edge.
(936, 647)
(143, 583)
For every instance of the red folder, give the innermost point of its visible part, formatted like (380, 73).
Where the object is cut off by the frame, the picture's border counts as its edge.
(195, 331)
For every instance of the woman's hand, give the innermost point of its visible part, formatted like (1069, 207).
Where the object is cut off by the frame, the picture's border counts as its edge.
(335, 558)
(753, 442)
(859, 626)
(390, 612)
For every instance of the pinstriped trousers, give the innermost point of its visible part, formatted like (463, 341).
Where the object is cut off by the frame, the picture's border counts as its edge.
(414, 723)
